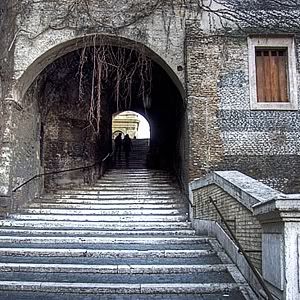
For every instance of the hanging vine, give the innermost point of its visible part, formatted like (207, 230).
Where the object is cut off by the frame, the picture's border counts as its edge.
(117, 75)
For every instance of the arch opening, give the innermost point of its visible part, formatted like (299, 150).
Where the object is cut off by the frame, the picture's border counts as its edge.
(131, 123)
(72, 130)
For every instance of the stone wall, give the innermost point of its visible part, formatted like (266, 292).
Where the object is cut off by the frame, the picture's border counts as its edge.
(68, 140)
(236, 197)
(67, 144)
(26, 150)
(204, 63)
(225, 133)
(246, 227)
(7, 107)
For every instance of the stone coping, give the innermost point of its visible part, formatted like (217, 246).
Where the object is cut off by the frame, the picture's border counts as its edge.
(285, 207)
(246, 190)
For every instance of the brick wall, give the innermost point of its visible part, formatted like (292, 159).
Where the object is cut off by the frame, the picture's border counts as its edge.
(204, 59)
(246, 227)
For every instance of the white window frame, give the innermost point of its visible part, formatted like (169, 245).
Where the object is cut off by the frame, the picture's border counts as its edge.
(273, 42)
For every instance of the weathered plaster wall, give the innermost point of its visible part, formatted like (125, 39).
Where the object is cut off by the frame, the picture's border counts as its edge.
(162, 32)
(26, 145)
(7, 31)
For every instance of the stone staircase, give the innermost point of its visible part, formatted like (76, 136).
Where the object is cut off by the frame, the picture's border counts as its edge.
(137, 158)
(126, 237)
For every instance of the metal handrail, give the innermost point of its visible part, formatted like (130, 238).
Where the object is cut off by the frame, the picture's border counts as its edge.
(61, 171)
(241, 250)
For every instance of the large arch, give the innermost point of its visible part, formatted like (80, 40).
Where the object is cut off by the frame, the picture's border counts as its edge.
(58, 138)
(30, 74)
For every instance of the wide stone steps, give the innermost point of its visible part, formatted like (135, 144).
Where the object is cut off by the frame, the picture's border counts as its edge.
(108, 225)
(112, 269)
(101, 240)
(101, 212)
(101, 218)
(116, 191)
(126, 237)
(95, 233)
(103, 206)
(125, 200)
(118, 288)
(67, 296)
(136, 198)
(42, 256)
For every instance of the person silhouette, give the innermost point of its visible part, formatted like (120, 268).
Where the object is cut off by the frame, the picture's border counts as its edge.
(127, 147)
(118, 145)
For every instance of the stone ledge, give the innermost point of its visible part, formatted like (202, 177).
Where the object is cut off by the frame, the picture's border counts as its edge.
(244, 189)
(286, 208)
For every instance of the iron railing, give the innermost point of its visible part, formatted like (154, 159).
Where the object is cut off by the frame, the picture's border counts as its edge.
(243, 252)
(101, 164)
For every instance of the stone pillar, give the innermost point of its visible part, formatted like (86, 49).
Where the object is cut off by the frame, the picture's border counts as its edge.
(280, 220)
(6, 153)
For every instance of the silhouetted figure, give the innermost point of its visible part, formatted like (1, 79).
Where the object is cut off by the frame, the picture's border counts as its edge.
(127, 146)
(118, 145)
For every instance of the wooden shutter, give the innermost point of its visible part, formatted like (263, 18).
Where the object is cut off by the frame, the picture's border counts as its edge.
(271, 75)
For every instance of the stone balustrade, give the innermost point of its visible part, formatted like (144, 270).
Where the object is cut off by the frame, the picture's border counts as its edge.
(265, 221)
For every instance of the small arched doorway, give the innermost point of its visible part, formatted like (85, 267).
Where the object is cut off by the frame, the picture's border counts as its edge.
(130, 127)
(131, 123)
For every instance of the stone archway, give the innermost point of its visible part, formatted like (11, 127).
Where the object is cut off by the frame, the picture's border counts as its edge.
(132, 123)
(63, 139)
(27, 76)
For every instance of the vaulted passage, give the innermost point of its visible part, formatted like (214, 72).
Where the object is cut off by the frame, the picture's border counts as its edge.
(78, 94)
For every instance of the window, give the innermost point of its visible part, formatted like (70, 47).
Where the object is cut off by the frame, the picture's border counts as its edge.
(272, 66)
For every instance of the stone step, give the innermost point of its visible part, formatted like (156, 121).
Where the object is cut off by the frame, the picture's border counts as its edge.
(102, 240)
(120, 189)
(137, 181)
(132, 175)
(116, 192)
(100, 218)
(111, 288)
(96, 233)
(145, 171)
(104, 206)
(27, 295)
(211, 259)
(117, 278)
(119, 198)
(127, 235)
(107, 201)
(75, 243)
(112, 269)
(103, 212)
(139, 185)
(130, 164)
(133, 161)
(100, 253)
(137, 177)
(95, 225)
